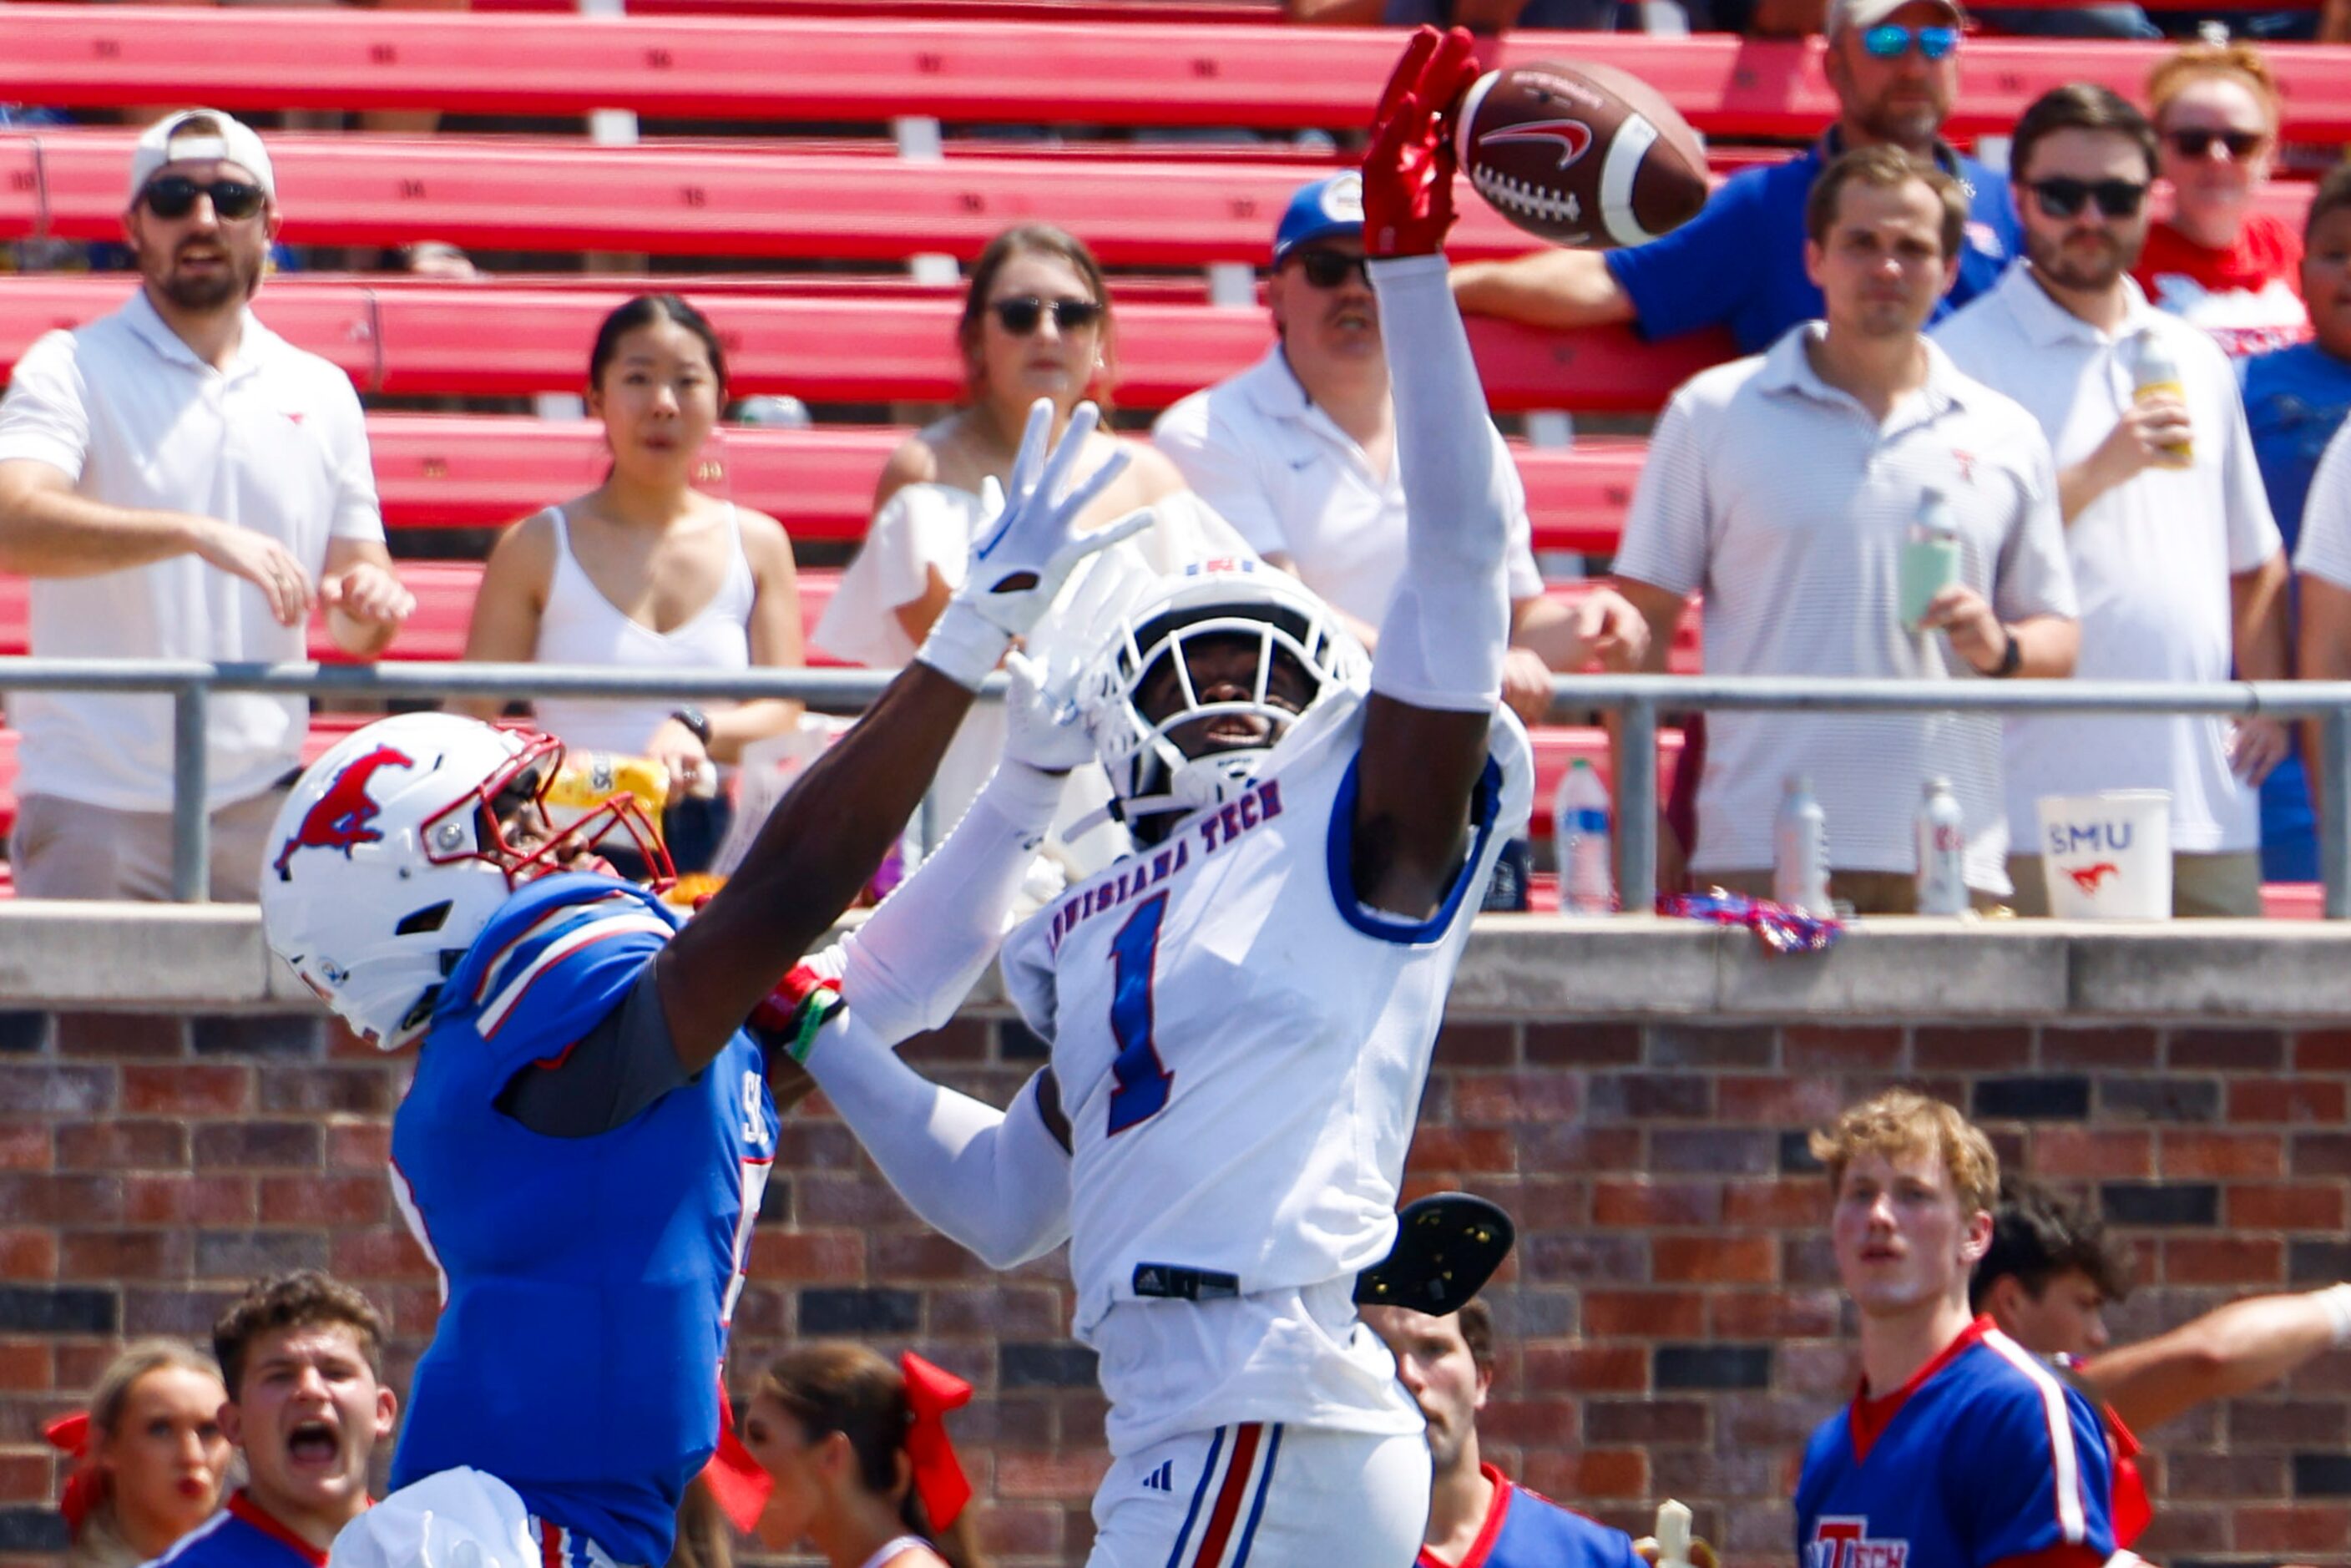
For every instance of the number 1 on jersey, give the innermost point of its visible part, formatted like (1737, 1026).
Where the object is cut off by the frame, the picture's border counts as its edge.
(1142, 1091)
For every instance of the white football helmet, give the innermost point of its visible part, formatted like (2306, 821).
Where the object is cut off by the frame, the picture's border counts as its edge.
(1154, 778)
(397, 847)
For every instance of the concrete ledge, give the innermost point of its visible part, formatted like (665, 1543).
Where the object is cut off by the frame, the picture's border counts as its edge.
(171, 958)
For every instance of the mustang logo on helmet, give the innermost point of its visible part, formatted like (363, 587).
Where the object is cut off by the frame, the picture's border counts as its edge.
(340, 820)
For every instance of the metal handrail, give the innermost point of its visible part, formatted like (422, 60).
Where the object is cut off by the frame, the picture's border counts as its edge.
(1638, 700)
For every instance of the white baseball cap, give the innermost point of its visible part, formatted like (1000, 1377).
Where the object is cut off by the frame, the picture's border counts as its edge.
(1844, 13)
(195, 135)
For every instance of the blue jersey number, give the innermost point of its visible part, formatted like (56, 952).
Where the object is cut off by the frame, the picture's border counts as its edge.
(1142, 1091)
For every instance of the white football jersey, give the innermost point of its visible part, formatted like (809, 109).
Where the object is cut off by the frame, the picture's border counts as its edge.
(1240, 1047)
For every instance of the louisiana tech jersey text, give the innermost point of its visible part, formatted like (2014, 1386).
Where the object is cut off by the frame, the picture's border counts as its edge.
(586, 1282)
(1986, 1455)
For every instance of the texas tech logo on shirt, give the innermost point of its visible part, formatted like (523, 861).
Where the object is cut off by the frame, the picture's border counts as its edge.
(1845, 1543)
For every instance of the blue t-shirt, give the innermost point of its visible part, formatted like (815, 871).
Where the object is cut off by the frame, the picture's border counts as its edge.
(1986, 1455)
(243, 1534)
(1740, 262)
(586, 1283)
(2294, 401)
(1526, 1529)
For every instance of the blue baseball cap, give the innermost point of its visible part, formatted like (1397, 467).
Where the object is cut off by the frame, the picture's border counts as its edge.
(1326, 207)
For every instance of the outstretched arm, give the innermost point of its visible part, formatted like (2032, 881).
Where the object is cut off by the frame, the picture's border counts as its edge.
(1437, 676)
(995, 1181)
(2229, 1351)
(826, 837)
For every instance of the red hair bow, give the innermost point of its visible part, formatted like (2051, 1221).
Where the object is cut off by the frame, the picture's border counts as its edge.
(70, 1435)
(737, 1482)
(931, 1393)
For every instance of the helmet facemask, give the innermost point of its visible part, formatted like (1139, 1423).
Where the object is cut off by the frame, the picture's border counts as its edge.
(1283, 658)
(509, 825)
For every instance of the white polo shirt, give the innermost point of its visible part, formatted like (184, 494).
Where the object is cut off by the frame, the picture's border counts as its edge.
(1788, 504)
(2325, 548)
(1294, 484)
(2152, 557)
(274, 443)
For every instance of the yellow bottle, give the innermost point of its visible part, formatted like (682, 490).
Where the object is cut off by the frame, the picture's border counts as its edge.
(2159, 376)
(588, 778)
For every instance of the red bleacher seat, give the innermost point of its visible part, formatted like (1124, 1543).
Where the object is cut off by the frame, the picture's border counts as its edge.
(434, 471)
(491, 340)
(818, 69)
(732, 199)
(506, 195)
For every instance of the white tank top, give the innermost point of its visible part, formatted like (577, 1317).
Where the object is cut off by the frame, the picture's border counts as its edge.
(890, 1549)
(580, 626)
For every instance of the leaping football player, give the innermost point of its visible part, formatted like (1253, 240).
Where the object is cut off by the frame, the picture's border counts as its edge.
(583, 1148)
(1242, 1010)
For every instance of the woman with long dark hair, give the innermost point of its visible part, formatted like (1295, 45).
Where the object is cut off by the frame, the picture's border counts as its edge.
(646, 571)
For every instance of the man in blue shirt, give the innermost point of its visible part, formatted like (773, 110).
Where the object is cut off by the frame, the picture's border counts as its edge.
(302, 1357)
(1894, 65)
(1478, 1517)
(1961, 1449)
(2295, 399)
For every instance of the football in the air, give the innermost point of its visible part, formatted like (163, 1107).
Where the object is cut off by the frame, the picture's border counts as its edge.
(1584, 155)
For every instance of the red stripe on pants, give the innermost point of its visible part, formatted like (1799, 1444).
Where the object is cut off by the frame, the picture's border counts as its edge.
(1228, 1496)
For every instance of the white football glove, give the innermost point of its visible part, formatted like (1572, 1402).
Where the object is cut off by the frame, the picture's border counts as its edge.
(1027, 550)
(1043, 728)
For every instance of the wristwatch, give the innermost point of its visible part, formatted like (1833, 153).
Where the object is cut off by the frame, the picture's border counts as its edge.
(694, 719)
(2012, 658)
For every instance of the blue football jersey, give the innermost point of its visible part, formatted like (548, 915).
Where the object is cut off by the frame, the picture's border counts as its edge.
(586, 1282)
(1526, 1529)
(243, 1534)
(1986, 1455)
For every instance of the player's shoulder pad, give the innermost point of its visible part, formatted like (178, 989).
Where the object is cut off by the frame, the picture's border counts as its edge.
(537, 930)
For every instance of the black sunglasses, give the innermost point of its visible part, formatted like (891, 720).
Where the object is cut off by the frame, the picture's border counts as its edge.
(2198, 144)
(174, 197)
(2062, 198)
(1331, 269)
(1022, 315)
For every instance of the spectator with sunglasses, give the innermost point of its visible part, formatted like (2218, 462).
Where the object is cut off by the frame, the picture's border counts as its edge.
(180, 481)
(1894, 67)
(2178, 563)
(1036, 324)
(2218, 260)
(1298, 453)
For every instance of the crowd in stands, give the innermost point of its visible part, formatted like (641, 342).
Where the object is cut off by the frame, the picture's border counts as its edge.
(2088, 546)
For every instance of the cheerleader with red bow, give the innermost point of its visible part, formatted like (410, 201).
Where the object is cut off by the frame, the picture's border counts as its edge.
(857, 1448)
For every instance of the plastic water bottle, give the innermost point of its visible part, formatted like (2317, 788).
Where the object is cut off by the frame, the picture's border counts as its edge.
(1941, 836)
(1579, 817)
(1799, 859)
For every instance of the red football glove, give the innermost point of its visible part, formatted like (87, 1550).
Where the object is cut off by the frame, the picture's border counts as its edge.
(1408, 168)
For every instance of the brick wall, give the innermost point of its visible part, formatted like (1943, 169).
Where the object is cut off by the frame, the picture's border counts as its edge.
(1672, 1321)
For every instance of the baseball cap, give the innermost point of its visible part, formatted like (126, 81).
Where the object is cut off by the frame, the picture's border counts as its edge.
(196, 134)
(1870, 13)
(1326, 207)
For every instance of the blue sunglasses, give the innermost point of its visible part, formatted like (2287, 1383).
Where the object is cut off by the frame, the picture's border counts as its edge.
(1891, 41)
